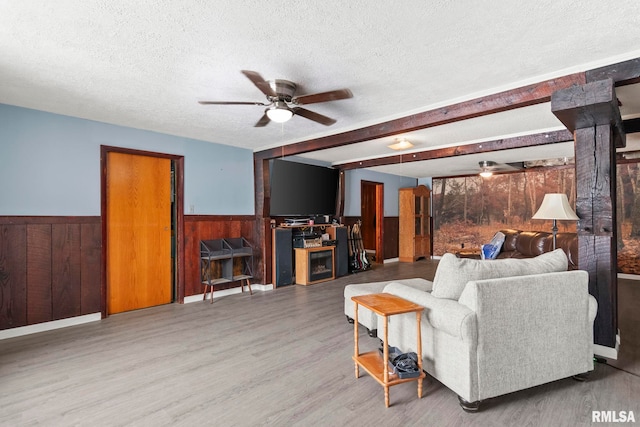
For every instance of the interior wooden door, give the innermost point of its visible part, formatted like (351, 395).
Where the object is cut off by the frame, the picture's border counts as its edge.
(368, 213)
(372, 212)
(138, 232)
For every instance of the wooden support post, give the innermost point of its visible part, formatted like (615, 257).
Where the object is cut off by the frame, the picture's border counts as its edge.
(591, 112)
(263, 253)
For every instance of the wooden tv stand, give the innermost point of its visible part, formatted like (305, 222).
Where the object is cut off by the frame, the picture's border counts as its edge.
(285, 238)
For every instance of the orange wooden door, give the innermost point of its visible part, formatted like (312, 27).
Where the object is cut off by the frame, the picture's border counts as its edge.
(138, 232)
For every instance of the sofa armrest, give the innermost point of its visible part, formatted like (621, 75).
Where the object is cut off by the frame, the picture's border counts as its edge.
(444, 314)
(593, 308)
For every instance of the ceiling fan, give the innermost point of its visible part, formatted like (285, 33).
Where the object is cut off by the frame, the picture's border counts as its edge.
(488, 167)
(282, 104)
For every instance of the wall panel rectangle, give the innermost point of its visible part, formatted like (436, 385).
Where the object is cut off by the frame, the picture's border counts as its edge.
(90, 271)
(39, 304)
(391, 232)
(65, 243)
(13, 276)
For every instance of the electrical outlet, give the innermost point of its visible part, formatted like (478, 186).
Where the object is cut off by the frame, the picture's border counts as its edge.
(192, 209)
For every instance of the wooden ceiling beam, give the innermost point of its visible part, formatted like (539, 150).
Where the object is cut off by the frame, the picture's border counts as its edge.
(631, 125)
(525, 96)
(622, 73)
(592, 104)
(462, 150)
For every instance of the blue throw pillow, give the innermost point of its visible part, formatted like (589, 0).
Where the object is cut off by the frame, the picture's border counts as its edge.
(492, 249)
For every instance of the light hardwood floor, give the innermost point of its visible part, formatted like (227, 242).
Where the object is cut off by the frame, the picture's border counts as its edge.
(278, 358)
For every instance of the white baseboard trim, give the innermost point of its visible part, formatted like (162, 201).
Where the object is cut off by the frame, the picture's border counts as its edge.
(227, 292)
(628, 276)
(48, 326)
(608, 352)
(390, 260)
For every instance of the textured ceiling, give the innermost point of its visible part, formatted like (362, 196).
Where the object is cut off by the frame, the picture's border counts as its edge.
(145, 64)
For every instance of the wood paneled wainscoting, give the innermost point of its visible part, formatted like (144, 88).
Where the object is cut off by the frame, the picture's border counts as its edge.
(49, 268)
(390, 237)
(206, 227)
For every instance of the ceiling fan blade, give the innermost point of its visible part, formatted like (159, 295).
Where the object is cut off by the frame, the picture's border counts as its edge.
(505, 167)
(333, 95)
(230, 103)
(260, 83)
(327, 121)
(515, 165)
(264, 120)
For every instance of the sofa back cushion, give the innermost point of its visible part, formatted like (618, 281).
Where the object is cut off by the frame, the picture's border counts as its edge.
(453, 273)
(510, 239)
(531, 243)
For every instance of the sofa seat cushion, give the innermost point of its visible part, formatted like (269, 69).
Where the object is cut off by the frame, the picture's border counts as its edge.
(453, 273)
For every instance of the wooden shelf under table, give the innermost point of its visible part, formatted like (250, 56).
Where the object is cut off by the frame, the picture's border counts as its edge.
(372, 363)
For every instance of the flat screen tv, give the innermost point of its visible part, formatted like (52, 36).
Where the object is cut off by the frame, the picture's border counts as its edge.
(302, 190)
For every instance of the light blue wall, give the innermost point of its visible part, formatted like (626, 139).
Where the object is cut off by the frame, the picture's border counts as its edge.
(391, 185)
(428, 182)
(50, 165)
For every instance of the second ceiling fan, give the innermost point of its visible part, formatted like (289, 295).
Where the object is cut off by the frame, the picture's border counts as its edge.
(283, 104)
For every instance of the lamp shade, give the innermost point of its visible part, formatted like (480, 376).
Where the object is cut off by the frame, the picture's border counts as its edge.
(555, 206)
(279, 113)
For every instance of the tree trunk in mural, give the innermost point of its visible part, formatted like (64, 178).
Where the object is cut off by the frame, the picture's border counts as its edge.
(440, 208)
(464, 216)
(529, 194)
(620, 210)
(482, 204)
(507, 216)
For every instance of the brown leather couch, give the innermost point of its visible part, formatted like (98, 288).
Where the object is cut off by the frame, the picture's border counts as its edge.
(528, 244)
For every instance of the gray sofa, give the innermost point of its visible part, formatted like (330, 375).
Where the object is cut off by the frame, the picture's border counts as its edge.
(495, 327)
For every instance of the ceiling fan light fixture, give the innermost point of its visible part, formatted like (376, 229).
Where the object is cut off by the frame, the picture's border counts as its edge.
(486, 168)
(402, 144)
(279, 112)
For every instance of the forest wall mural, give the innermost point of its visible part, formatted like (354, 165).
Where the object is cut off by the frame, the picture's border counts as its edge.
(468, 211)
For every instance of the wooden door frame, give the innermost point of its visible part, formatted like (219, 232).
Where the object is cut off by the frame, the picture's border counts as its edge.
(178, 162)
(379, 215)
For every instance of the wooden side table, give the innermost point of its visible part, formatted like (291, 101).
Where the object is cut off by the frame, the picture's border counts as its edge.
(377, 366)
